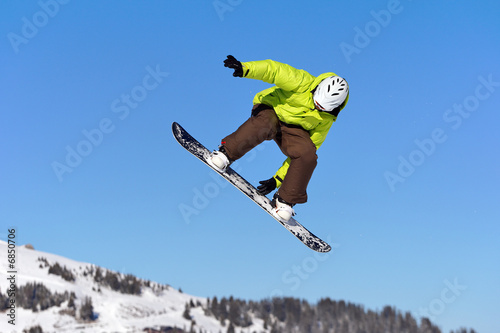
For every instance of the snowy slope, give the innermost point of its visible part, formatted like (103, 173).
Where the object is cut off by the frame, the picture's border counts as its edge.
(155, 307)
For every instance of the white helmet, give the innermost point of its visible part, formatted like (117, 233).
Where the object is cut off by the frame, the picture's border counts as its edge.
(330, 93)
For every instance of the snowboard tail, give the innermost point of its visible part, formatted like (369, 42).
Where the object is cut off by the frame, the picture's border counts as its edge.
(197, 149)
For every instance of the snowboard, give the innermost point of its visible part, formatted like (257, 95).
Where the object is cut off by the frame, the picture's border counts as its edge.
(203, 154)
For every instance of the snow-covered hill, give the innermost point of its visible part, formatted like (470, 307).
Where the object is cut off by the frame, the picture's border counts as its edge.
(151, 306)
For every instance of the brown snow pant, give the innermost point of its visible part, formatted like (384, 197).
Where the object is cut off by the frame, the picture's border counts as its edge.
(293, 141)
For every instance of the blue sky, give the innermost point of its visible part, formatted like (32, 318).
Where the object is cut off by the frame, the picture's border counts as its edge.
(406, 189)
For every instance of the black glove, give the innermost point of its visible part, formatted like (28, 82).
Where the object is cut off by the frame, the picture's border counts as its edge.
(267, 186)
(231, 62)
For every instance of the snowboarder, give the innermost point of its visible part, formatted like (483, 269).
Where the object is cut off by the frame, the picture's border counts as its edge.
(297, 113)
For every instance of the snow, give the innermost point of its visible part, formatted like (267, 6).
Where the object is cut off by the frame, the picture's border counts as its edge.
(116, 312)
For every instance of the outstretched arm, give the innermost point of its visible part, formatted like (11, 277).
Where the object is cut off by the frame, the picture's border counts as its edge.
(273, 72)
(282, 75)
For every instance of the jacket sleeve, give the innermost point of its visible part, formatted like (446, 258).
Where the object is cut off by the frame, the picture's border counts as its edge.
(282, 75)
(318, 134)
(281, 173)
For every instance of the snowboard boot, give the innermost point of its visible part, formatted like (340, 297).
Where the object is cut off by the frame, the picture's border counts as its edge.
(219, 160)
(283, 209)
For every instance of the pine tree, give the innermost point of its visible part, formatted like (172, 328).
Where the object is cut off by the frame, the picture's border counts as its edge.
(214, 307)
(98, 277)
(223, 311)
(34, 329)
(87, 310)
(234, 312)
(63, 272)
(186, 314)
(71, 302)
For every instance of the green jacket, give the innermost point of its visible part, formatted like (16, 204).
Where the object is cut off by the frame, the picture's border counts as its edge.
(292, 99)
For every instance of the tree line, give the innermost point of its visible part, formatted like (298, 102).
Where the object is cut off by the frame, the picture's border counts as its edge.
(292, 315)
